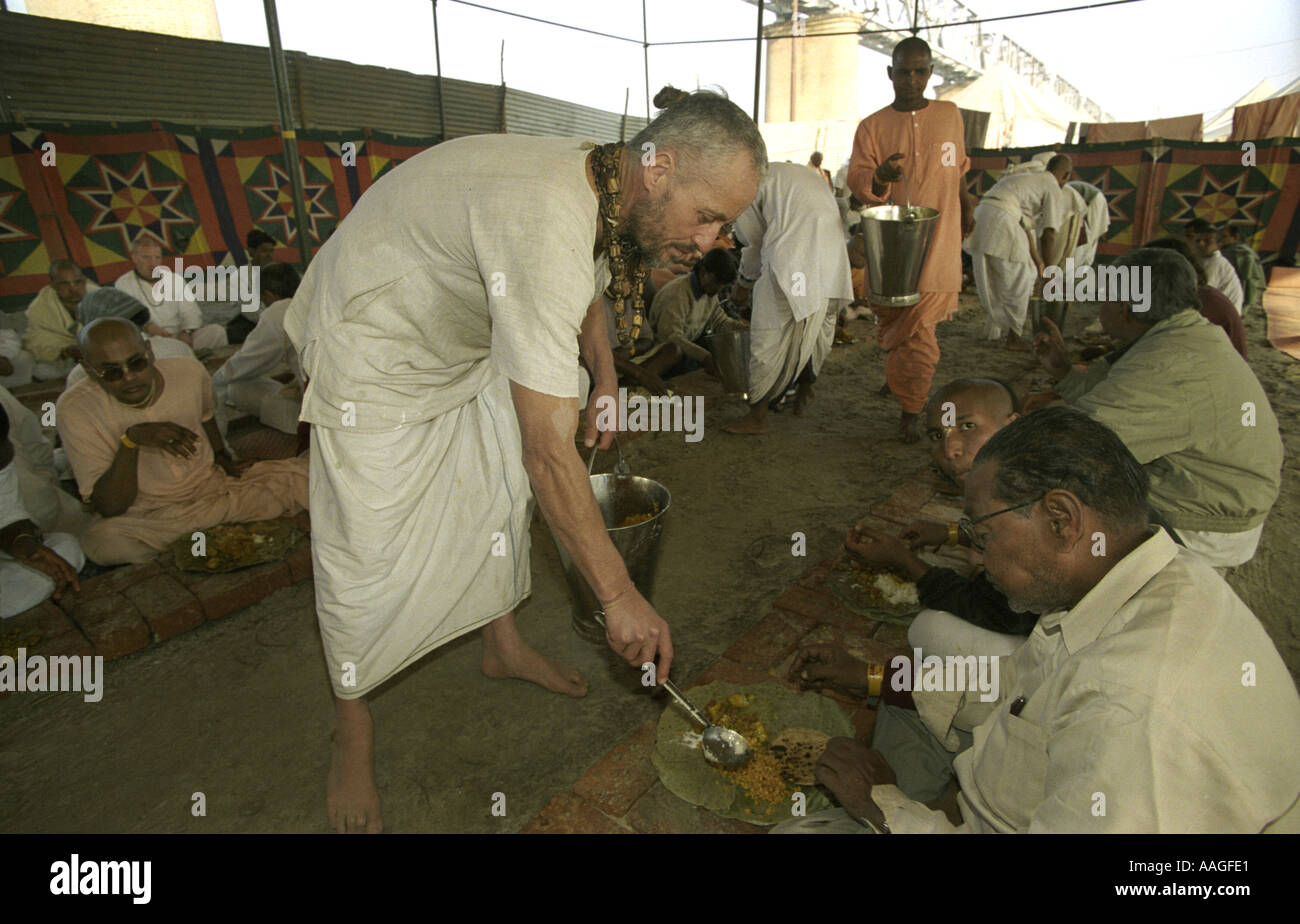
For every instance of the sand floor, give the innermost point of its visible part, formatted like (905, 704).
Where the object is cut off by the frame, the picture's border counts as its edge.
(239, 709)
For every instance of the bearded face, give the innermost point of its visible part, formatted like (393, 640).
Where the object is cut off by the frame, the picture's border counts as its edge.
(646, 228)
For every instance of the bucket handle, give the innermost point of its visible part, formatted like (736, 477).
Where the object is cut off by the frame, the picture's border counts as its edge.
(622, 468)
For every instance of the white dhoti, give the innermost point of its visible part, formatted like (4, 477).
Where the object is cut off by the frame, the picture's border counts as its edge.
(405, 524)
(1004, 288)
(273, 403)
(210, 337)
(781, 346)
(21, 587)
(940, 633)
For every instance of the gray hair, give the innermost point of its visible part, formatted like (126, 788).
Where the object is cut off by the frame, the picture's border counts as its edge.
(705, 130)
(1173, 282)
(1061, 447)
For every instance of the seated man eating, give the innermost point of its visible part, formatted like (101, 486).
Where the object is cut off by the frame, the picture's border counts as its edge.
(963, 616)
(131, 431)
(1148, 698)
(684, 310)
(1186, 405)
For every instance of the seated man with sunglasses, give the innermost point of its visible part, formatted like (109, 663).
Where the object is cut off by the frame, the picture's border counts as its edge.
(1147, 699)
(132, 434)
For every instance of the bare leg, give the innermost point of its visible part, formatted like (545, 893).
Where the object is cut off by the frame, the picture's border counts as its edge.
(909, 427)
(804, 393)
(506, 654)
(753, 423)
(353, 799)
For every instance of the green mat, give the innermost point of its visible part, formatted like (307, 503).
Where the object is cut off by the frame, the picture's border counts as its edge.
(685, 772)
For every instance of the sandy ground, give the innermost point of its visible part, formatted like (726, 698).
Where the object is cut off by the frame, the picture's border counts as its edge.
(240, 711)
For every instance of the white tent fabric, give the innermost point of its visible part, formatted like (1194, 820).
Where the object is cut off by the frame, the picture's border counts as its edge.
(1219, 125)
(1019, 114)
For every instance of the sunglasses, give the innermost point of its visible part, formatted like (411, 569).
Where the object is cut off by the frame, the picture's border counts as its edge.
(116, 372)
(967, 525)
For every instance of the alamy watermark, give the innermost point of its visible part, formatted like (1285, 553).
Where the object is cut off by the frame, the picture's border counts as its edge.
(57, 674)
(654, 414)
(241, 284)
(1130, 284)
(951, 674)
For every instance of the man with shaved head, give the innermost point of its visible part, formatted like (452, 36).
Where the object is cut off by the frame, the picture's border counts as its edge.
(1007, 257)
(914, 150)
(132, 433)
(52, 322)
(961, 616)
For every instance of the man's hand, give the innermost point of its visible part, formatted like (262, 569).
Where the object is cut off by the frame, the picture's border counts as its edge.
(923, 534)
(849, 769)
(823, 665)
(607, 388)
(638, 633)
(44, 559)
(879, 549)
(1050, 347)
(168, 437)
(230, 466)
(891, 171)
(740, 294)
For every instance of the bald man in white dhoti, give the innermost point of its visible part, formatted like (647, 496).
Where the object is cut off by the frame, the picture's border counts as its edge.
(1006, 256)
(797, 267)
(440, 331)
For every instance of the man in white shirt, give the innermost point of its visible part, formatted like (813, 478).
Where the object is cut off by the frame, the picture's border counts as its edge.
(1147, 699)
(167, 318)
(1006, 257)
(32, 565)
(797, 267)
(440, 339)
(1096, 221)
(246, 380)
(1204, 240)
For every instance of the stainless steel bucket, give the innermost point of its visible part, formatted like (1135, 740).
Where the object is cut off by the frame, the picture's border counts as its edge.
(898, 240)
(620, 497)
(730, 349)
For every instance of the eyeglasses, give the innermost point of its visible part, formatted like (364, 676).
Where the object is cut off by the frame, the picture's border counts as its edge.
(116, 372)
(966, 525)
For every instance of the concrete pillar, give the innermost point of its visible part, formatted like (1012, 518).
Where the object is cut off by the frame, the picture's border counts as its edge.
(813, 79)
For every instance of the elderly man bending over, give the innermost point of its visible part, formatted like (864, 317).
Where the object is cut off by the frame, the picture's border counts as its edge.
(1187, 405)
(1125, 710)
(132, 435)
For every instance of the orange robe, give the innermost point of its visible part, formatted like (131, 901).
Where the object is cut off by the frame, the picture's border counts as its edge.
(176, 496)
(935, 174)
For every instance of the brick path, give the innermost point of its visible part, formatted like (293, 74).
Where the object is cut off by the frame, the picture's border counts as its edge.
(621, 793)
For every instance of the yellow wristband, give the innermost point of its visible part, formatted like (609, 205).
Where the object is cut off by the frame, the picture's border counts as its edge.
(126, 441)
(875, 679)
(954, 534)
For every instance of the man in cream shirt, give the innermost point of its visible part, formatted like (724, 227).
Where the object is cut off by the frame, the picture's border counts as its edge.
(1147, 699)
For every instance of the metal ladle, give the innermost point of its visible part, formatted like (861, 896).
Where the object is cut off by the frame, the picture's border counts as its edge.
(721, 746)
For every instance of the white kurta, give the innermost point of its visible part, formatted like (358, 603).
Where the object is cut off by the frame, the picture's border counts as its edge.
(172, 316)
(21, 587)
(1220, 274)
(1096, 221)
(245, 380)
(48, 506)
(466, 268)
(794, 248)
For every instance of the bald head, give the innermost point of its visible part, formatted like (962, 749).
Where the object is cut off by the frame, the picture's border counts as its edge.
(105, 335)
(962, 416)
(1060, 167)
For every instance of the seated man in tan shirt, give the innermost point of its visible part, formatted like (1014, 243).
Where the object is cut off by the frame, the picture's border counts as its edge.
(1147, 699)
(132, 433)
(684, 310)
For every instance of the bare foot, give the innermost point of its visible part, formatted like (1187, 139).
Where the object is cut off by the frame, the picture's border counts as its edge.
(506, 654)
(802, 398)
(352, 799)
(748, 425)
(529, 665)
(909, 428)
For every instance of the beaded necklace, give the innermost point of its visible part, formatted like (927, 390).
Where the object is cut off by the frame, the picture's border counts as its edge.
(627, 273)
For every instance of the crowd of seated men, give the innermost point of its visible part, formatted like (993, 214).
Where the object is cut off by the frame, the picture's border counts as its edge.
(141, 458)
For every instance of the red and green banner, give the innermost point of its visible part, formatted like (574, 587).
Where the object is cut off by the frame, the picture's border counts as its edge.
(86, 192)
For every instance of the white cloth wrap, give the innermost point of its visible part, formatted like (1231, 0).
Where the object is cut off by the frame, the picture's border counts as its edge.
(402, 535)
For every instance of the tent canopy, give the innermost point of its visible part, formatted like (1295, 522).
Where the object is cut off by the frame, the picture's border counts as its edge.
(1019, 114)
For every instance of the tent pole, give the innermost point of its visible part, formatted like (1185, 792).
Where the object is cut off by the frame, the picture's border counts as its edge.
(280, 77)
(758, 55)
(437, 56)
